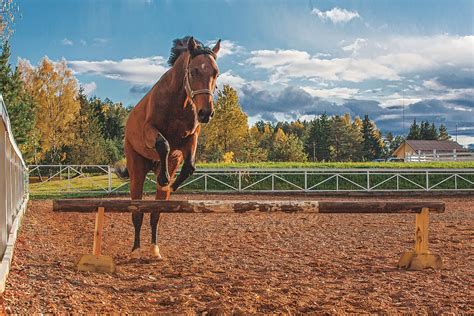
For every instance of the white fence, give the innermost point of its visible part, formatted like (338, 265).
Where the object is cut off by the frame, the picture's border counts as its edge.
(444, 156)
(50, 180)
(13, 192)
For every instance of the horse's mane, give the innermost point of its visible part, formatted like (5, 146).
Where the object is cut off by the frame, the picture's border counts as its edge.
(180, 45)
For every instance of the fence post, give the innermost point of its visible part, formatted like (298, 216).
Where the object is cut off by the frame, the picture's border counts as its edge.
(8, 176)
(240, 180)
(69, 178)
(3, 190)
(305, 180)
(368, 181)
(454, 154)
(109, 175)
(427, 181)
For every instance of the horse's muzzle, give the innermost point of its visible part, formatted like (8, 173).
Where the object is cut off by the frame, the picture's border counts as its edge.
(204, 116)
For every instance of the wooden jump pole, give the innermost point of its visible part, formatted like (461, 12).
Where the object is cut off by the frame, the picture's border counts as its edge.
(241, 206)
(418, 259)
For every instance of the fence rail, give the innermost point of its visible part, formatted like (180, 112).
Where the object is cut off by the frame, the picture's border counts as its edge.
(13, 192)
(100, 179)
(444, 156)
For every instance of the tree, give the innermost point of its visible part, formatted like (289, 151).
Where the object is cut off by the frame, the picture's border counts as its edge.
(228, 130)
(345, 139)
(54, 91)
(90, 146)
(252, 151)
(443, 133)
(286, 148)
(8, 10)
(414, 132)
(318, 140)
(20, 105)
(372, 146)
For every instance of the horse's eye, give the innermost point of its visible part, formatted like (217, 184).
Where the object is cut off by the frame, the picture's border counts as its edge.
(195, 71)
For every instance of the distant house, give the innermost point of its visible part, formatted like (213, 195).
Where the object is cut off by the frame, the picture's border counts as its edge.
(427, 147)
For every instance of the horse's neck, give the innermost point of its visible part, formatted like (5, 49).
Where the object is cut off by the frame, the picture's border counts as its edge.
(176, 84)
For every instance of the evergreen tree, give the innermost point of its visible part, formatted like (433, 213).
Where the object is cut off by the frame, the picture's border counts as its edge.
(433, 134)
(414, 132)
(371, 141)
(443, 133)
(90, 146)
(339, 139)
(20, 105)
(318, 140)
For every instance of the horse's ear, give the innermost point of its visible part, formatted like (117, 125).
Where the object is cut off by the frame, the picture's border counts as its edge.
(192, 45)
(216, 47)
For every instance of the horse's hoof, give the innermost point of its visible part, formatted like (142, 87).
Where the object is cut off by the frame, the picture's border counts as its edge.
(155, 252)
(136, 254)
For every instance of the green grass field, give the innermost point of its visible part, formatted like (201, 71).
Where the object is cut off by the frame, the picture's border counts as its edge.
(77, 187)
(345, 165)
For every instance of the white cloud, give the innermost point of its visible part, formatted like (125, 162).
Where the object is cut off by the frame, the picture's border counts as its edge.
(432, 84)
(287, 64)
(227, 47)
(340, 93)
(235, 81)
(89, 87)
(98, 41)
(67, 42)
(336, 15)
(464, 140)
(135, 70)
(83, 42)
(389, 59)
(355, 46)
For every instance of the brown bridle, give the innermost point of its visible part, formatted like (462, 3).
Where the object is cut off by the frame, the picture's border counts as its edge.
(187, 84)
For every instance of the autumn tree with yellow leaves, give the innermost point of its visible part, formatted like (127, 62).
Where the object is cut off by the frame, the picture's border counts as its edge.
(228, 130)
(54, 90)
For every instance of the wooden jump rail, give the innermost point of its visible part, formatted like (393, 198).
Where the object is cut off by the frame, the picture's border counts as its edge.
(418, 259)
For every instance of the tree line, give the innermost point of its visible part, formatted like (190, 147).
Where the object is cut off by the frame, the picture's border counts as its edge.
(54, 122)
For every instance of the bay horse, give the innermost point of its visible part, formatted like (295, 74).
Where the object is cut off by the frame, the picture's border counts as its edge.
(163, 128)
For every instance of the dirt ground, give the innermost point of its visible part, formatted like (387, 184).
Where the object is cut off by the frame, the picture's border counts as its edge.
(244, 263)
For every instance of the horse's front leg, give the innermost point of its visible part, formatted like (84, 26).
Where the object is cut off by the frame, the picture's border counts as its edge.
(162, 193)
(189, 155)
(154, 139)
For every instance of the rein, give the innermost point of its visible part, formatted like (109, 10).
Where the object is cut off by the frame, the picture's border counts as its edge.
(187, 84)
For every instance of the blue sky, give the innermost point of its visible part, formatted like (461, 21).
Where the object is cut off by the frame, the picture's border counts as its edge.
(287, 59)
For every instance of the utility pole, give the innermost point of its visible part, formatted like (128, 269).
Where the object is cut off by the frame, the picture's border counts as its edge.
(403, 112)
(456, 132)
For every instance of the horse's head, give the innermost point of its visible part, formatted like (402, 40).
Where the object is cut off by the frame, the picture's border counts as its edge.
(200, 78)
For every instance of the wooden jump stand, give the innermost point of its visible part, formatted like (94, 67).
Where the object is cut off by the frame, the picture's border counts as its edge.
(96, 262)
(418, 259)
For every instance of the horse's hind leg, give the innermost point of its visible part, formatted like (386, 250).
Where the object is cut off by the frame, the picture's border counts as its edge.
(137, 167)
(155, 220)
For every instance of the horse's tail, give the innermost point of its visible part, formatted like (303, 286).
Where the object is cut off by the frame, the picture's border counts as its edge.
(121, 170)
